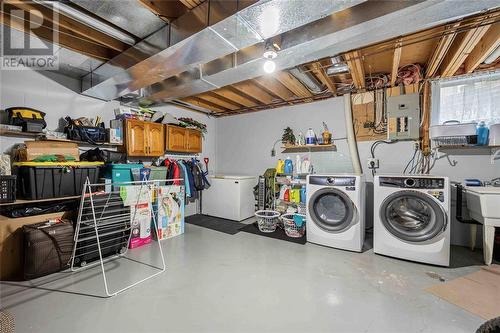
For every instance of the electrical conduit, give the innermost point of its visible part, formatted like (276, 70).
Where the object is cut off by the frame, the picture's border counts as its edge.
(351, 137)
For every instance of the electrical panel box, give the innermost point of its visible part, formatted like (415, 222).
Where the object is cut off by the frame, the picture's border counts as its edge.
(403, 117)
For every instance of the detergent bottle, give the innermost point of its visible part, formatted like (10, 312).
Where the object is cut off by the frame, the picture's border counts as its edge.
(288, 165)
(298, 166)
(280, 166)
(310, 137)
(286, 196)
(482, 134)
(303, 194)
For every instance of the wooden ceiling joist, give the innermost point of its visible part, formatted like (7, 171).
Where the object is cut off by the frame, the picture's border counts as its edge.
(292, 84)
(166, 10)
(65, 39)
(440, 51)
(230, 94)
(250, 89)
(196, 101)
(462, 46)
(323, 77)
(356, 68)
(219, 101)
(274, 87)
(191, 3)
(487, 44)
(396, 58)
(62, 21)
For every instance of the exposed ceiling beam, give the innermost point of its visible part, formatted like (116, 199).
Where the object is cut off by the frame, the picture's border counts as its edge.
(220, 101)
(234, 96)
(274, 87)
(487, 44)
(294, 85)
(323, 77)
(203, 104)
(65, 38)
(166, 10)
(249, 89)
(189, 3)
(356, 68)
(64, 22)
(463, 45)
(440, 51)
(396, 58)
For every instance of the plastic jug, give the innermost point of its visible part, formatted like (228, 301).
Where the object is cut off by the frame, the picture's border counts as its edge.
(298, 163)
(303, 194)
(482, 134)
(288, 166)
(280, 166)
(310, 137)
(286, 196)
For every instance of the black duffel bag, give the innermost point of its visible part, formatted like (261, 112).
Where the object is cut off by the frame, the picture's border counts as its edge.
(103, 155)
(93, 135)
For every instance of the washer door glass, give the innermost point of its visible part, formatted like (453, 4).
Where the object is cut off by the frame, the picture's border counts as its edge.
(331, 209)
(412, 216)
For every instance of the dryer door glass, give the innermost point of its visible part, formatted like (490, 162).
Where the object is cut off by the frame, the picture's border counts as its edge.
(331, 209)
(412, 216)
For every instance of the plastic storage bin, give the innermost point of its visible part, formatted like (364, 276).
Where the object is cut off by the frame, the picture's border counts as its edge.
(7, 188)
(119, 173)
(158, 173)
(45, 180)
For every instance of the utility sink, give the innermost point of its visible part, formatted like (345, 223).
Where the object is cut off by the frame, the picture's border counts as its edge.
(484, 206)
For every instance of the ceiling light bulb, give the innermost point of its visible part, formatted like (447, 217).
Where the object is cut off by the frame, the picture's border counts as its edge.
(269, 66)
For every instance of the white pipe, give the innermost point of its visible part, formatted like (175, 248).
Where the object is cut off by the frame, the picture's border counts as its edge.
(351, 137)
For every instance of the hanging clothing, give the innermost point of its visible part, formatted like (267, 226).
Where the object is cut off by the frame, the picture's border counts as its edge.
(189, 167)
(184, 175)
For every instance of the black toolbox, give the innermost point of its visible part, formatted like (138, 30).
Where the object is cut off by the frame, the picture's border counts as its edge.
(46, 180)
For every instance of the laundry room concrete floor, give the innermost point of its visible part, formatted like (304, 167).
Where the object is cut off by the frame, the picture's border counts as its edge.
(216, 282)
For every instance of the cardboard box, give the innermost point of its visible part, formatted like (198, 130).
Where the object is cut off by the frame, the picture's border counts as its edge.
(36, 149)
(170, 212)
(114, 135)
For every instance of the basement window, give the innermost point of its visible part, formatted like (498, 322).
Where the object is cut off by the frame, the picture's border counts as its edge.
(467, 99)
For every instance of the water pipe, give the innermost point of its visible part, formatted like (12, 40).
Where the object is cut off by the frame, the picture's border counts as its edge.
(351, 137)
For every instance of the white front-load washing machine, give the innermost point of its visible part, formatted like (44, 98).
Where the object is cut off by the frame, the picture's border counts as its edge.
(335, 211)
(412, 218)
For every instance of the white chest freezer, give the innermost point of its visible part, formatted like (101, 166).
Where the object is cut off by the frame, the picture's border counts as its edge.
(230, 197)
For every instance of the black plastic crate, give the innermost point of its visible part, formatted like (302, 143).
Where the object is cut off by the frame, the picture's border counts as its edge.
(7, 188)
(45, 182)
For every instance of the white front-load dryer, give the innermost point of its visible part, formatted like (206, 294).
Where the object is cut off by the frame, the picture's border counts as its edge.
(412, 218)
(335, 211)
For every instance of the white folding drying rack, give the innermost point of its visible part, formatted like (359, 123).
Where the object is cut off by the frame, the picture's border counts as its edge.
(103, 217)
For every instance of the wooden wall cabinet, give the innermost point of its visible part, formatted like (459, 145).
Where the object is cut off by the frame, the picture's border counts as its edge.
(183, 140)
(144, 138)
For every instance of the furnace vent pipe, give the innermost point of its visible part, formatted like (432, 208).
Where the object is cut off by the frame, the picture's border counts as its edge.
(351, 137)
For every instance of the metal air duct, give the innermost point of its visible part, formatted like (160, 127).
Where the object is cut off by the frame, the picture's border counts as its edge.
(358, 26)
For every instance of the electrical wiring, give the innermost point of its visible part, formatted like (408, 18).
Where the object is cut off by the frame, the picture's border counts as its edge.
(374, 145)
(411, 160)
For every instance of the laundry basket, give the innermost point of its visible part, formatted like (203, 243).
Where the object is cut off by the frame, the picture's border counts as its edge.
(294, 225)
(267, 220)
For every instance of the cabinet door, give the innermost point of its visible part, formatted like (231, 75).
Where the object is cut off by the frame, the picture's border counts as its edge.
(193, 141)
(156, 140)
(136, 138)
(176, 139)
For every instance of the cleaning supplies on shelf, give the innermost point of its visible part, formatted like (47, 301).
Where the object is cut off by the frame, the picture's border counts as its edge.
(303, 194)
(310, 137)
(305, 165)
(288, 166)
(298, 164)
(280, 166)
(482, 134)
(326, 135)
(286, 195)
(301, 140)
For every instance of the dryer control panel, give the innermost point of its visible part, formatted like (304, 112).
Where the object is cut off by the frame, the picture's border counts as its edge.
(412, 182)
(332, 181)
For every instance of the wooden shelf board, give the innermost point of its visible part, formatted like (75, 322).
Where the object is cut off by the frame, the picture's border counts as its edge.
(305, 149)
(23, 202)
(41, 136)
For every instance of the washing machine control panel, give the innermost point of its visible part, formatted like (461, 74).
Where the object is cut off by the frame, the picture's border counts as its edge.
(412, 182)
(332, 181)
